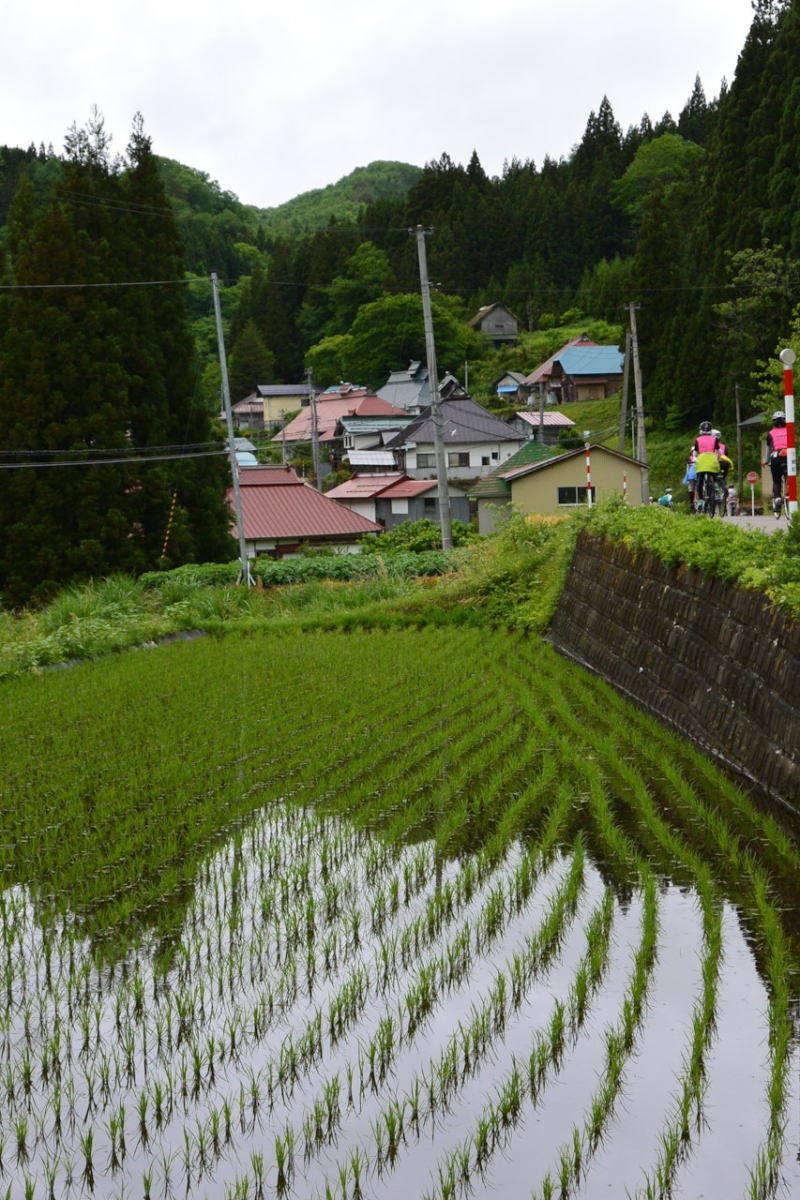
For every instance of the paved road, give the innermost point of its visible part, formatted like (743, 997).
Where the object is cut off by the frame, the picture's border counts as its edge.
(765, 524)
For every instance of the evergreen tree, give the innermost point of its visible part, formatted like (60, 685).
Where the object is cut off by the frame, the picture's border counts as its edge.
(98, 366)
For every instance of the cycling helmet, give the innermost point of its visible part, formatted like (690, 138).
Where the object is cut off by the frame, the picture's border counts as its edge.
(779, 415)
(705, 427)
(716, 433)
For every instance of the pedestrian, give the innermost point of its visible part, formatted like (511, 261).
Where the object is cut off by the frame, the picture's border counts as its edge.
(666, 499)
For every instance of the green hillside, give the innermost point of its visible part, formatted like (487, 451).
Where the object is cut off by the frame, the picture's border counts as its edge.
(343, 200)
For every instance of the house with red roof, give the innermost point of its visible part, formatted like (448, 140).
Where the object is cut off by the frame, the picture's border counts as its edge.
(282, 514)
(393, 498)
(332, 405)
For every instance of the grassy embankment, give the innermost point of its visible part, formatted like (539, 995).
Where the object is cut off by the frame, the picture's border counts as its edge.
(512, 579)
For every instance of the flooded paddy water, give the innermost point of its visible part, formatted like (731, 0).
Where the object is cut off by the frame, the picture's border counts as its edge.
(493, 935)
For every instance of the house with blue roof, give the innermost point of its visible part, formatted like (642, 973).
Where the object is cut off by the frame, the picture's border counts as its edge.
(587, 373)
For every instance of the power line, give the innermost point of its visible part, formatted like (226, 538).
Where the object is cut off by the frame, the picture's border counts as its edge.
(132, 450)
(52, 287)
(104, 462)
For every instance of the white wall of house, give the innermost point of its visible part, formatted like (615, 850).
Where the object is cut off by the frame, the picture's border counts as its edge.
(464, 461)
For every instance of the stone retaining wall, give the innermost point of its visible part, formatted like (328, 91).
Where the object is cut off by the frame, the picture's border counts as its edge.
(716, 662)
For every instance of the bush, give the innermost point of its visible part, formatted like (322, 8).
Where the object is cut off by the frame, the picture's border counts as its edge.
(416, 536)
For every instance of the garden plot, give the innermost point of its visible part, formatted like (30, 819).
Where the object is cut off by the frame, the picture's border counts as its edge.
(465, 925)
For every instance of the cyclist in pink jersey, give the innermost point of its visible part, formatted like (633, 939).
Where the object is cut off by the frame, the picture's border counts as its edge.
(776, 458)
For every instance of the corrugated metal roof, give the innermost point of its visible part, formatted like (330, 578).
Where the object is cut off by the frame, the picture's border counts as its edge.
(368, 424)
(494, 486)
(594, 448)
(331, 409)
(463, 420)
(370, 458)
(408, 487)
(274, 506)
(282, 389)
(362, 487)
(594, 360)
(268, 475)
(551, 417)
(543, 371)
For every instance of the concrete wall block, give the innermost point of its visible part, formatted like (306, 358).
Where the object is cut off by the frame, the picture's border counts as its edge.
(718, 663)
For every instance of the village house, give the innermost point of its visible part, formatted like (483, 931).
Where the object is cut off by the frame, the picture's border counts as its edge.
(475, 441)
(282, 514)
(537, 385)
(364, 439)
(553, 423)
(552, 484)
(267, 406)
(496, 323)
(331, 406)
(588, 374)
(394, 498)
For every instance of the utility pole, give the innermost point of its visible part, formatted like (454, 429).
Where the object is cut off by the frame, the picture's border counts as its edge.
(626, 379)
(641, 445)
(244, 571)
(433, 384)
(314, 432)
(739, 463)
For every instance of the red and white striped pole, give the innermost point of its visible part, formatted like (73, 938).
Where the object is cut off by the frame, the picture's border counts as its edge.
(588, 472)
(624, 486)
(788, 357)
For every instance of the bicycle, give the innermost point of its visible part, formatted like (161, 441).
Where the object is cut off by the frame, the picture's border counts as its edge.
(780, 503)
(710, 493)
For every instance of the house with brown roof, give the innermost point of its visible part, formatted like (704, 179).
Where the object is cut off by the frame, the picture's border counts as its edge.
(394, 498)
(282, 514)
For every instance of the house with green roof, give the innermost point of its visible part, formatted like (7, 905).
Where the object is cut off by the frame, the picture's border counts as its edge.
(492, 494)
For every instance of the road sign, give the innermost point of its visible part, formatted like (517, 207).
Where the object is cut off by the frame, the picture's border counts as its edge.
(753, 477)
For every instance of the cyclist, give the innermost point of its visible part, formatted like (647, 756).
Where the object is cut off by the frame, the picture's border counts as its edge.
(725, 465)
(776, 458)
(706, 449)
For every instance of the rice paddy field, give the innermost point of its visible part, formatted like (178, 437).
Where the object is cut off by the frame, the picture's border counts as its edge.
(415, 913)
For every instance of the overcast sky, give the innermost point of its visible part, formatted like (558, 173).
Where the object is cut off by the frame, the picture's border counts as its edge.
(271, 100)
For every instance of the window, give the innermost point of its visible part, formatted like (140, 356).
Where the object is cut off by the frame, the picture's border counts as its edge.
(429, 504)
(458, 458)
(426, 460)
(574, 495)
(485, 460)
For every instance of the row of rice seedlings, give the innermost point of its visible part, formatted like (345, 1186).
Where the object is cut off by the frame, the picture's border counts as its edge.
(431, 1094)
(471, 1159)
(431, 980)
(765, 1172)
(676, 1136)
(161, 1103)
